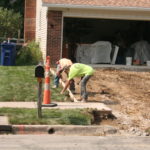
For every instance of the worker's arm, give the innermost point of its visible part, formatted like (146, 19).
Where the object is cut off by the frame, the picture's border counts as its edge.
(59, 73)
(66, 86)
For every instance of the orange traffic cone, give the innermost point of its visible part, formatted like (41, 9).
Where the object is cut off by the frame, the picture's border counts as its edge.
(47, 93)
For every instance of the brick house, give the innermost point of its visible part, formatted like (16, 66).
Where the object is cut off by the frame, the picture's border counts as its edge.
(58, 24)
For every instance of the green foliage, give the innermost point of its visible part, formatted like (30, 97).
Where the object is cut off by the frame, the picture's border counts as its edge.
(16, 5)
(10, 23)
(29, 55)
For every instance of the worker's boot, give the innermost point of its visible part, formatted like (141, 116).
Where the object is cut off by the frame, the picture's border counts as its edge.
(84, 100)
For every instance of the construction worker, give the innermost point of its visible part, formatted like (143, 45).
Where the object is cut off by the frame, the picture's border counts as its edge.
(61, 64)
(79, 70)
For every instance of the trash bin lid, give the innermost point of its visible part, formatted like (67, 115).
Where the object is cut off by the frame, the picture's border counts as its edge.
(8, 45)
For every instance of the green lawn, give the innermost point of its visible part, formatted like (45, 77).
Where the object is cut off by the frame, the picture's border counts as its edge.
(17, 83)
(50, 116)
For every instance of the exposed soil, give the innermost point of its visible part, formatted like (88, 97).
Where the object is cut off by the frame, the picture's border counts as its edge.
(127, 93)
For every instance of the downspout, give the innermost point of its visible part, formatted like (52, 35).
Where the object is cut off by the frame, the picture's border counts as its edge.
(62, 26)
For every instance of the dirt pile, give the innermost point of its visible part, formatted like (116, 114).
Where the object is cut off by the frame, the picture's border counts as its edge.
(127, 93)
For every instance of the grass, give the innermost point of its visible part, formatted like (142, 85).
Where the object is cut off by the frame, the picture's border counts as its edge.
(50, 116)
(17, 83)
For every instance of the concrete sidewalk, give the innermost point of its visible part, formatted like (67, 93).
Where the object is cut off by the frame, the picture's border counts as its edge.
(60, 105)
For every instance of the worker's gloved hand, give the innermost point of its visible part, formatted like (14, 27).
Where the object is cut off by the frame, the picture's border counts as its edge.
(60, 76)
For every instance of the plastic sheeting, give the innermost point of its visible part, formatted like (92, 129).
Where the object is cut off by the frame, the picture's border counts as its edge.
(83, 53)
(141, 51)
(98, 52)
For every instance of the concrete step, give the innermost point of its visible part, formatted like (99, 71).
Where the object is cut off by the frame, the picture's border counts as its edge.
(60, 105)
(4, 120)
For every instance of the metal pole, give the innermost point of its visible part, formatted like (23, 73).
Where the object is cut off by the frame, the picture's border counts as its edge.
(39, 102)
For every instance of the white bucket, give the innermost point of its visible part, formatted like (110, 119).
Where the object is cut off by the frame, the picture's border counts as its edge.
(148, 63)
(128, 61)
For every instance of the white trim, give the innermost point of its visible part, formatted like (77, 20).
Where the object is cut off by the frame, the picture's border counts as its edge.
(107, 14)
(95, 7)
(47, 86)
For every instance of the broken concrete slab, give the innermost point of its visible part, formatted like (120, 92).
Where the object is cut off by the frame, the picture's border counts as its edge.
(4, 120)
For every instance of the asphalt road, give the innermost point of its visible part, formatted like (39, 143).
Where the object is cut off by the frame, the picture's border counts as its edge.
(53, 142)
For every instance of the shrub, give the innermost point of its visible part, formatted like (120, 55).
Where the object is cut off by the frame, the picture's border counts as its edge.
(29, 54)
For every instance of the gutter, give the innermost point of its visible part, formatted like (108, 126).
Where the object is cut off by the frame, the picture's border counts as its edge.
(94, 7)
(79, 130)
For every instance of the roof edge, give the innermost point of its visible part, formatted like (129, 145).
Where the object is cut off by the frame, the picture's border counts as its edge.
(95, 7)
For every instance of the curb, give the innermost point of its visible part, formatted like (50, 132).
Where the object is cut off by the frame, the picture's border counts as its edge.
(59, 130)
(6, 129)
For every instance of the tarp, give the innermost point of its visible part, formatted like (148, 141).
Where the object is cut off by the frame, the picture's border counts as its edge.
(83, 54)
(141, 51)
(98, 52)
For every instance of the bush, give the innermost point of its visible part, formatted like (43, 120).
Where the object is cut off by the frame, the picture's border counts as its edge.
(29, 55)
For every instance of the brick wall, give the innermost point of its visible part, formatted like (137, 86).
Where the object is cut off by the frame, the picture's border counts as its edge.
(54, 35)
(29, 20)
